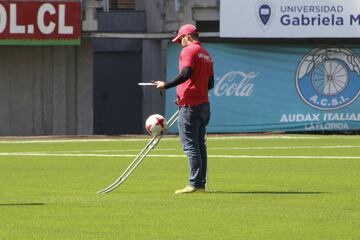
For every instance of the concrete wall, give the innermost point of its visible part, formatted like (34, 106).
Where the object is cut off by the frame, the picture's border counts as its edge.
(152, 58)
(153, 102)
(49, 90)
(46, 90)
(167, 16)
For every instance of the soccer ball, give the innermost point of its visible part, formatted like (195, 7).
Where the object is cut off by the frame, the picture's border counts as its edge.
(155, 125)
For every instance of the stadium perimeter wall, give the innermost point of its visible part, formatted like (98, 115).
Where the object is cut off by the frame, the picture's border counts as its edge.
(49, 90)
(46, 90)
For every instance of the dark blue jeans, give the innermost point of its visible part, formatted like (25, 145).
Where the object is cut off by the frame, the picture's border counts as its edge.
(192, 130)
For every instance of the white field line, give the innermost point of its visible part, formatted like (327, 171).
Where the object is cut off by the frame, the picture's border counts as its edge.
(43, 141)
(172, 155)
(112, 152)
(209, 148)
(175, 138)
(285, 147)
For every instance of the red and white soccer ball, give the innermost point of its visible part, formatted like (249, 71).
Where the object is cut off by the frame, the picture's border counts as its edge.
(155, 125)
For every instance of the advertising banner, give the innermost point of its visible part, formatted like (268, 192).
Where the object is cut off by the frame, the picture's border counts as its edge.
(290, 19)
(40, 22)
(262, 88)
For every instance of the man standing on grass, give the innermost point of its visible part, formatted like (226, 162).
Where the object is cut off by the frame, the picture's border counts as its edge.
(195, 78)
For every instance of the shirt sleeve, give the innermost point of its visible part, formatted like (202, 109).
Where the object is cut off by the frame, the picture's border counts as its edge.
(184, 75)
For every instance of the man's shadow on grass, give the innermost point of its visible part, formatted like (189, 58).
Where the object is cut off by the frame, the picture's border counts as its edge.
(21, 204)
(268, 192)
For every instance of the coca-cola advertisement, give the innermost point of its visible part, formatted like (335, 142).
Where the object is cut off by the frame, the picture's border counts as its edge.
(273, 88)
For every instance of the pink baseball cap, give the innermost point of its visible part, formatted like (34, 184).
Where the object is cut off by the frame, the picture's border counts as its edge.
(184, 30)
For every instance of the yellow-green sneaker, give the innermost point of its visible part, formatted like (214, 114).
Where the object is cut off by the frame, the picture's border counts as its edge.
(189, 189)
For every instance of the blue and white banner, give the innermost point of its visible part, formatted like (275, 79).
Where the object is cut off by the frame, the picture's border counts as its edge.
(290, 19)
(261, 88)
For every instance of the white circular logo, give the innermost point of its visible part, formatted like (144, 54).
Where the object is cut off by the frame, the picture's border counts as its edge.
(329, 78)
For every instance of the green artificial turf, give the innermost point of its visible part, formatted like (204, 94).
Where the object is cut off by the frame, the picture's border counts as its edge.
(260, 187)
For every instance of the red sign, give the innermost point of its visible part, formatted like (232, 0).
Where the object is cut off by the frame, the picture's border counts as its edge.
(40, 22)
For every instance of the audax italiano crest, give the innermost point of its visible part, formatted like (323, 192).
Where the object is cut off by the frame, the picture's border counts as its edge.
(329, 78)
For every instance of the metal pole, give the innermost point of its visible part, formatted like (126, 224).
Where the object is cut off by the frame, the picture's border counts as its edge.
(139, 158)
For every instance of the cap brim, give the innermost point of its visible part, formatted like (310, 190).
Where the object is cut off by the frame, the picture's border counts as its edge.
(176, 39)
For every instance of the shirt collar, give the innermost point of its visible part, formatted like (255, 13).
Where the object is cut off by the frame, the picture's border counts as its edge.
(194, 43)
